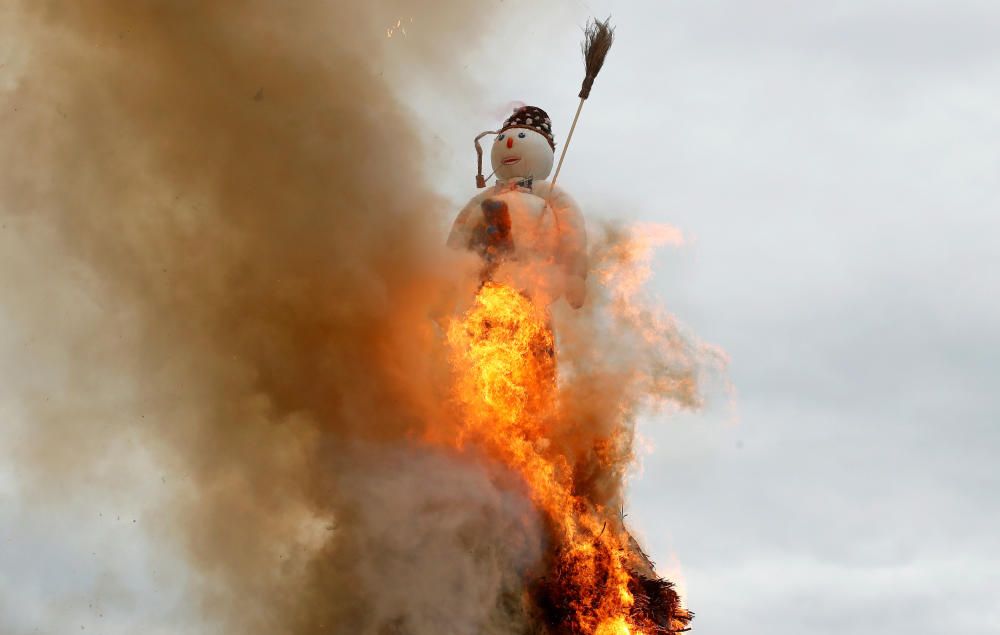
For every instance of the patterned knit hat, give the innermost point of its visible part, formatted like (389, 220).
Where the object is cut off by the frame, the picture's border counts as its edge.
(531, 118)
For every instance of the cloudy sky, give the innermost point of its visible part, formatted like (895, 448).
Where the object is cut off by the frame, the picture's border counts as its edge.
(834, 166)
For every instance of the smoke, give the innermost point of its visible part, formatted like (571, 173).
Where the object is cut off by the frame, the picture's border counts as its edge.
(219, 255)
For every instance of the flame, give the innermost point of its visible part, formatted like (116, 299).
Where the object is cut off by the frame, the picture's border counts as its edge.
(503, 352)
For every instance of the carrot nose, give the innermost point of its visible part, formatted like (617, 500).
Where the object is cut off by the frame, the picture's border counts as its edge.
(510, 142)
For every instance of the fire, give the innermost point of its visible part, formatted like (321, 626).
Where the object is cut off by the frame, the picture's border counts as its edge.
(617, 626)
(507, 348)
(504, 357)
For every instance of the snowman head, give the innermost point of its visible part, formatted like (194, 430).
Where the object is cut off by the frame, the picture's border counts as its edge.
(521, 152)
(523, 148)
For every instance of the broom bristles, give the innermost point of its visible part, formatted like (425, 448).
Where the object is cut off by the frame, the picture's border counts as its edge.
(597, 40)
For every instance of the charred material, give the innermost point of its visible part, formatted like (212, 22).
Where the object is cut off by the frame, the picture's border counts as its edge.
(657, 602)
(568, 605)
(492, 238)
(657, 606)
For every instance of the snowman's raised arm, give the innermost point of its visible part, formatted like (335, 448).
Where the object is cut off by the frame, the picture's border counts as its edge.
(461, 229)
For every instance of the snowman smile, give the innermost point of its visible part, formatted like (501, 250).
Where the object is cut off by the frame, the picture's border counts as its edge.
(511, 160)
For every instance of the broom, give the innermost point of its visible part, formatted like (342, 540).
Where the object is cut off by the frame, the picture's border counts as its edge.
(597, 40)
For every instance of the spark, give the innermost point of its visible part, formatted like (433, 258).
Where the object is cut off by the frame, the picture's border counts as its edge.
(399, 27)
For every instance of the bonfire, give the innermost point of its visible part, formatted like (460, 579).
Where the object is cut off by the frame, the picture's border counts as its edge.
(595, 580)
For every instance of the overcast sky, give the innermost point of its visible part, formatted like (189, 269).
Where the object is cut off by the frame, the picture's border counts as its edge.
(834, 166)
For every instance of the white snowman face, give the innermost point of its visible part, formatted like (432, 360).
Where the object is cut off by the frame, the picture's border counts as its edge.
(519, 152)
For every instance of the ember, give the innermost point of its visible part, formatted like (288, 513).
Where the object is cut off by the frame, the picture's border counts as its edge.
(595, 580)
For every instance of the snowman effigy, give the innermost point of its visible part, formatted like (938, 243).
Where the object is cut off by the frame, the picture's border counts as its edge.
(530, 237)
(529, 233)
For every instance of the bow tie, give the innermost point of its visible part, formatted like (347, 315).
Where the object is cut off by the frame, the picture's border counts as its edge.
(525, 183)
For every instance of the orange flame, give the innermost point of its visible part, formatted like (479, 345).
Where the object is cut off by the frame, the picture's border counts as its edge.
(503, 350)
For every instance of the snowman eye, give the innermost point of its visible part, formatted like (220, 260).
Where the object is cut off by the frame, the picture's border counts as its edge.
(521, 135)
(501, 137)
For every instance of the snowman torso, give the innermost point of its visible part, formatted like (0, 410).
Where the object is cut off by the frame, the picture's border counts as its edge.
(533, 233)
(526, 248)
